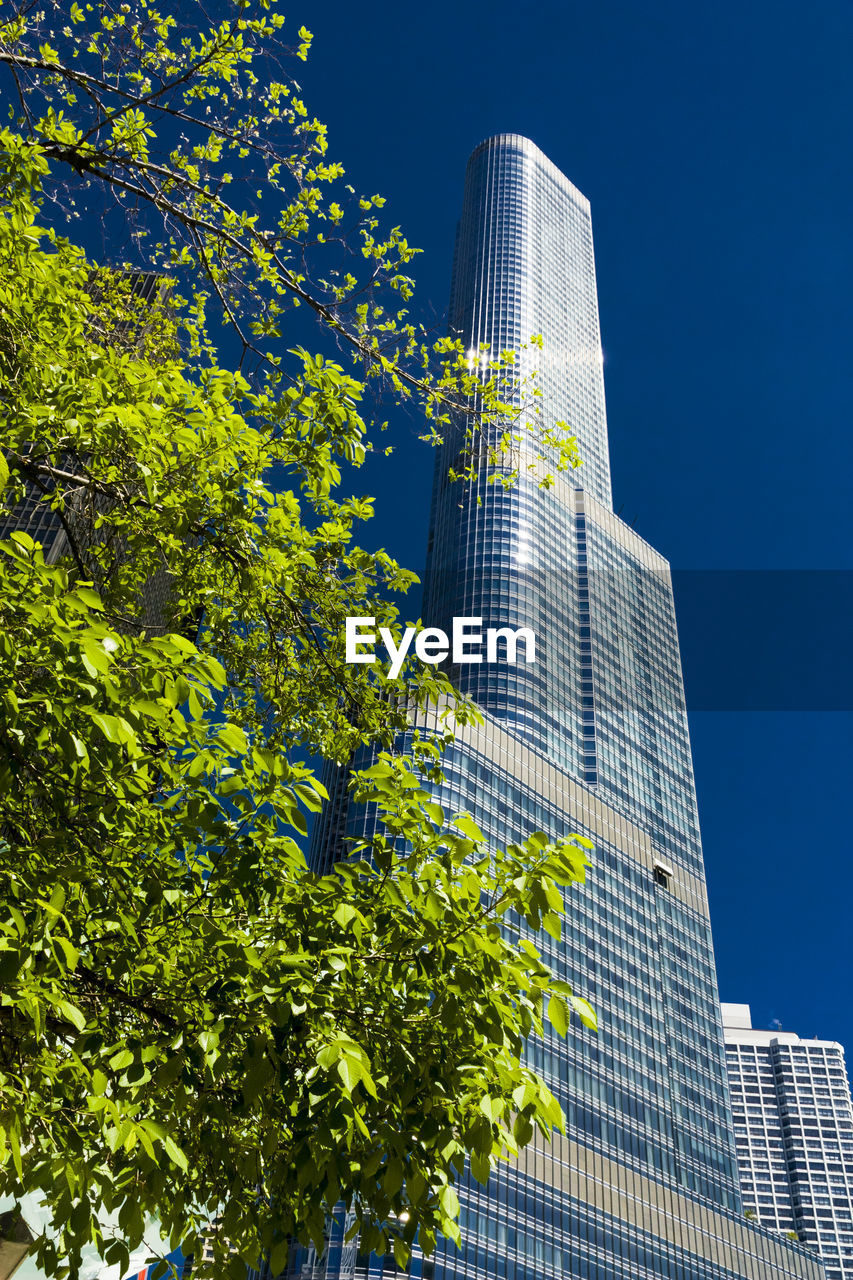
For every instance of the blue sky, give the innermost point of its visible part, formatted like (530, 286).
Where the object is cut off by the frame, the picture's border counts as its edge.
(714, 145)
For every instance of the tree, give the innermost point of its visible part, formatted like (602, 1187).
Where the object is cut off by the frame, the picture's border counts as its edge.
(194, 1026)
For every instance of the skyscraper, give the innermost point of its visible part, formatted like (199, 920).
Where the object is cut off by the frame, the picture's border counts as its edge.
(591, 738)
(793, 1123)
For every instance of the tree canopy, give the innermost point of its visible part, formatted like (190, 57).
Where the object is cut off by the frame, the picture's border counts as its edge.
(193, 1025)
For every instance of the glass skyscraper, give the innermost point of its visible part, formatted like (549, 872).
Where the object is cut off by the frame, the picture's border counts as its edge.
(592, 738)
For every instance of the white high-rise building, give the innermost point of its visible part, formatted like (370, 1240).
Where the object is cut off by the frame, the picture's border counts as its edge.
(793, 1121)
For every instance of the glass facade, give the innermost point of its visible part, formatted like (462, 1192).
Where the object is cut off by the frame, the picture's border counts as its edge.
(592, 738)
(793, 1123)
(524, 266)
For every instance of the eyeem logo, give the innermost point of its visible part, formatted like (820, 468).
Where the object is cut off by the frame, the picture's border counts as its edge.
(432, 644)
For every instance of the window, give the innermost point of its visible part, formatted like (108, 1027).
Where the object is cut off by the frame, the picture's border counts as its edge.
(662, 874)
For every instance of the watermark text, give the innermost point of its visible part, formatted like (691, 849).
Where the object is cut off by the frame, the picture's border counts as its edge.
(432, 645)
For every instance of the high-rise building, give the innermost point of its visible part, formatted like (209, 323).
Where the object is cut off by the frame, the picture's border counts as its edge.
(592, 738)
(793, 1123)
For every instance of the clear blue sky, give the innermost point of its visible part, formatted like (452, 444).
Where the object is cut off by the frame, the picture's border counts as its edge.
(714, 143)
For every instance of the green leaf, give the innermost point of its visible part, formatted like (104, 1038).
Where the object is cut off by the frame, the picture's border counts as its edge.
(72, 1013)
(350, 1071)
(234, 739)
(449, 1201)
(480, 1167)
(585, 1012)
(278, 1257)
(558, 1014)
(466, 824)
(174, 1152)
(392, 1178)
(402, 1253)
(329, 1055)
(416, 1186)
(90, 598)
(492, 1108)
(524, 1094)
(522, 1130)
(69, 951)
